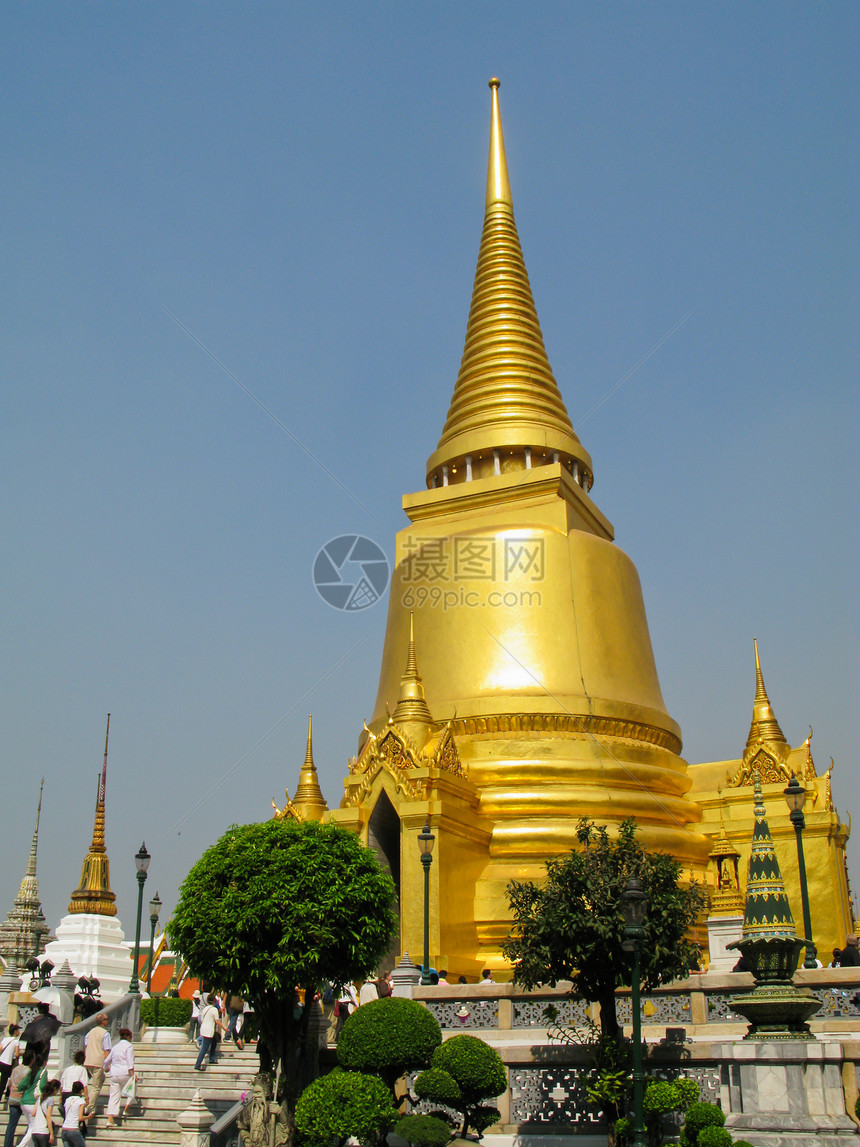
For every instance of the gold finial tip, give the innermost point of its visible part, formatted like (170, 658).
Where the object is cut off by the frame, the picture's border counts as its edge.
(495, 82)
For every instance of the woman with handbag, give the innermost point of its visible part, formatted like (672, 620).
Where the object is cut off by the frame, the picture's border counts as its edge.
(119, 1063)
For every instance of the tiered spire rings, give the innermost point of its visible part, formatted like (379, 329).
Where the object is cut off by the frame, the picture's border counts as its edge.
(93, 896)
(506, 412)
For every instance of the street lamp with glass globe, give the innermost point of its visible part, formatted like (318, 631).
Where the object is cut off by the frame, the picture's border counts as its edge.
(141, 861)
(426, 840)
(795, 798)
(154, 909)
(633, 909)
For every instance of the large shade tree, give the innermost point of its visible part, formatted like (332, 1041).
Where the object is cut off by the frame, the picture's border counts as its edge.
(570, 926)
(280, 906)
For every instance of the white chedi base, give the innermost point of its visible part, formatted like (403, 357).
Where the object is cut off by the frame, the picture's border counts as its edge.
(723, 930)
(94, 946)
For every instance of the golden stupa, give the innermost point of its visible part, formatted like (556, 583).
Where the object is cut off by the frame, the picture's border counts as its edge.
(518, 690)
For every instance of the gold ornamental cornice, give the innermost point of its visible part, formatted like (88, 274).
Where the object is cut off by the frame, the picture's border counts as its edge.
(490, 493)
(569, 724)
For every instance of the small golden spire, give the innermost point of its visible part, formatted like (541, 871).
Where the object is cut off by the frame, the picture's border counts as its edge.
(94, 896)
(412, 713)
(507, 412)
(309, 800)
(764, 726)
(498, 184)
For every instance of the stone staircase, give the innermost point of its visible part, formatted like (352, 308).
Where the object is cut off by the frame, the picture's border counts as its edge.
(167, 1085)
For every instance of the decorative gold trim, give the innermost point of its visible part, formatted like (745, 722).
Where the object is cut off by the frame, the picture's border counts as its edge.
(573, 724)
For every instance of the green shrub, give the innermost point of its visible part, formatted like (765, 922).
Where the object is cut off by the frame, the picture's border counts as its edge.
(700, 1115)
(661, 1095)
(165, 1012)
(742, 1143)
(480, 1118)
(439, 1086)
(477, 1071)
(476, 1067)
(344, 1104)
(714, 1137)
(388, 1037)
(688, 1093)
(423, 1130)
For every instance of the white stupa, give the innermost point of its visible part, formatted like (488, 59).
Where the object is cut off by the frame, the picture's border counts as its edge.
(91, 937)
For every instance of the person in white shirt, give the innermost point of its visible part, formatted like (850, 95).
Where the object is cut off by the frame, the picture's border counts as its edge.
(75, 1117)
(10, 1049)
(368, 992)
(210, 1021)
(119, 1063)
(74, 1073)
(488, 977)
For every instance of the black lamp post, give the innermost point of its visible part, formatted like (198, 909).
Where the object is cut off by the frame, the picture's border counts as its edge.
(426, 840)
(633, 907)
(141, 860)
(154, 909)
(795, 798)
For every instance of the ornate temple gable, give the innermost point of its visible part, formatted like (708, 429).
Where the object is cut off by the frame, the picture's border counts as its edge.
(766, 763)
(289, 811)
(397, 755)
(767, 750)
(446, 756)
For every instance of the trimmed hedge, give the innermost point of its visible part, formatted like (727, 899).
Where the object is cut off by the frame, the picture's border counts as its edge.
(341, 1105)
(475, 1066)
(699, 1116)
(423, 1130)
(714, 1137)
(388, 1037)
(165, 1012)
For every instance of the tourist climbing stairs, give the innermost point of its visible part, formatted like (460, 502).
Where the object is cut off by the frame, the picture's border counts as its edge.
(168, 1082)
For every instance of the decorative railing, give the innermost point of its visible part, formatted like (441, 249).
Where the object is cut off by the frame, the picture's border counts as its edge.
(124, 1013)
(699, 1002)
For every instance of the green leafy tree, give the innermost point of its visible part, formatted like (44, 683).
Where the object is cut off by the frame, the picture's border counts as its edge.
(570, 926)
(388, 1037)
(465, 1071)
(280, 906)
(344, 1105)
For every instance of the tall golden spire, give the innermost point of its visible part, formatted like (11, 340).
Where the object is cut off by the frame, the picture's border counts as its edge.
(412, 714)
(507, 412)
(93, 896)
(764, 726)
(309, 801)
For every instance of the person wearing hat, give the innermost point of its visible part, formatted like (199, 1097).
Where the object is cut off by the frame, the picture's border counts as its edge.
(850, 955)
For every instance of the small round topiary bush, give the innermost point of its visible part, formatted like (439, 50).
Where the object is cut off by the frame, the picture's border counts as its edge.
(476, 1070)
(438, 1086)
(660, 1095)
(388, 1037)
(343, 1105)
(714, 1137)
(699, 1116)
(165, 1012)
(423, 1130)
(476, 1067)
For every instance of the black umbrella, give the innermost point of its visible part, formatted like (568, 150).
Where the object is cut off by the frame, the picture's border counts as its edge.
(42, 1029)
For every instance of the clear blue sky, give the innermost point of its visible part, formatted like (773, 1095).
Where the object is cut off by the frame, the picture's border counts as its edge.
(301, 185)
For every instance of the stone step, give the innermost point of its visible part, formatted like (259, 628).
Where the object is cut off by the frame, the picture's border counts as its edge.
(168, 1083)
